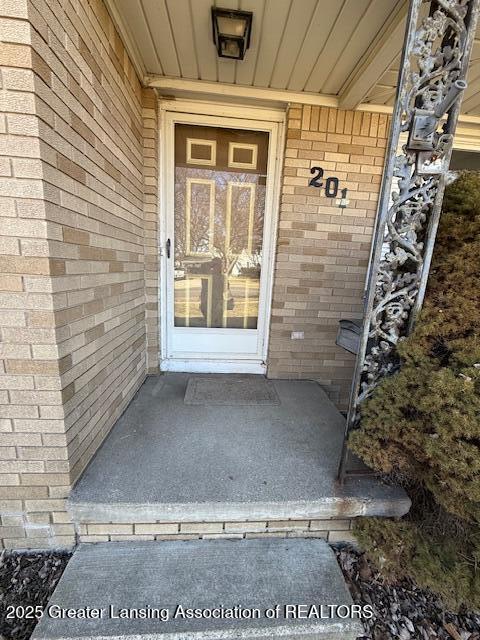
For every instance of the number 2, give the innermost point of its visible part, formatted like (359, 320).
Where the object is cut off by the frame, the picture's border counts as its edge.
(316, 181)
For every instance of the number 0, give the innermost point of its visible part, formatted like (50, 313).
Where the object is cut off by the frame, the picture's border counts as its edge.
(331, 187)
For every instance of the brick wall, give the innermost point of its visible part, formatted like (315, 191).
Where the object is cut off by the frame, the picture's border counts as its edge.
(72, 240)
(323, 251)
(152, 266)
(333, 530)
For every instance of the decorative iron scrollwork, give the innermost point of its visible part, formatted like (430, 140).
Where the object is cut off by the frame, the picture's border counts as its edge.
(431, 82)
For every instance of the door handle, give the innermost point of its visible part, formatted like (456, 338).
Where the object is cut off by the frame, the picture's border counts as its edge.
(168, 244)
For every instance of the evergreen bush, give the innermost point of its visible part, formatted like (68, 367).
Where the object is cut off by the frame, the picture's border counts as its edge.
(422, 425)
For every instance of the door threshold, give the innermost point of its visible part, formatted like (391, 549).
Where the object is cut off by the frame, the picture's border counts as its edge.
(213, 366)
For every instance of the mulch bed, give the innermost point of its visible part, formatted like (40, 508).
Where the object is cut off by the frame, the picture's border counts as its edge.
(403, 611)
(27, 579)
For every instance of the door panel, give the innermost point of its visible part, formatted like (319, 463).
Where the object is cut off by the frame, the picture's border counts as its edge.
(219, 214)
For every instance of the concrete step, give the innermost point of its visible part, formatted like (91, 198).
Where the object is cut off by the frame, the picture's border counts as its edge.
(243, 577)
(172, 462)
(362, 496)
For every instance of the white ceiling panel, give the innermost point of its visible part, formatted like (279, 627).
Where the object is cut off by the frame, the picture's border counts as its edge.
(375, 15)
(202, 29)
(320, 27)
(133, 14)
(274, 21)
(181, 24)
(291, 41)
(245, 72)
(337, 42)
(313, 46)
(162, 36)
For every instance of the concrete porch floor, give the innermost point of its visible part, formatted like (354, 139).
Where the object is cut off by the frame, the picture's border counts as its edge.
(174, 462)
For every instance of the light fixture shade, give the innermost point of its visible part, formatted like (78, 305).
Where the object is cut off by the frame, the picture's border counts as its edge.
(231, 32)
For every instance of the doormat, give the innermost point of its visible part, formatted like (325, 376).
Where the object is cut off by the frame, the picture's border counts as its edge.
(230, 391)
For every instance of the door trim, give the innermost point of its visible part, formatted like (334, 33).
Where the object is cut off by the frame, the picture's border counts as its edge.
(235, 116)
(202, 365)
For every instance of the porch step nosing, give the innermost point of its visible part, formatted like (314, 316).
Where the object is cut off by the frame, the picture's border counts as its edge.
(392, 502)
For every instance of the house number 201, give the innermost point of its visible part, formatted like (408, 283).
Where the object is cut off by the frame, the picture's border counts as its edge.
(331, 184)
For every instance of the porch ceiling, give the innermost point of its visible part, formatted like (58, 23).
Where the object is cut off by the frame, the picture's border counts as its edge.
(344, 53)
(383, 93)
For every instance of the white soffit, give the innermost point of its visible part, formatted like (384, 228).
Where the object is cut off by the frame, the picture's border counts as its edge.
(342, 53)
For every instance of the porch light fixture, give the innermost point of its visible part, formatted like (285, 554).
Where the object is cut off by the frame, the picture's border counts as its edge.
(231, 32)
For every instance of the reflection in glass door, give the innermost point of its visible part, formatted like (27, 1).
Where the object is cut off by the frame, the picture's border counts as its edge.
(219, 208)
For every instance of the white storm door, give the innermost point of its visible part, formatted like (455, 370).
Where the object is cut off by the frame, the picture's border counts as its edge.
(218, 242)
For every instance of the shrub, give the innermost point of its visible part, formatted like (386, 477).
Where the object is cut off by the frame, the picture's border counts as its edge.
(422, 424)
(446, 564)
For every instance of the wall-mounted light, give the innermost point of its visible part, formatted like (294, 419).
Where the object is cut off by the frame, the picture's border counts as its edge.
(231, 32)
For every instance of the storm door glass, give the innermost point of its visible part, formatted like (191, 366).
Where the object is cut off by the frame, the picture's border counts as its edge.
(220, 177)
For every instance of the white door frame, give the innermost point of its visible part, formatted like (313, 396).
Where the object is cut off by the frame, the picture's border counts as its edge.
(234, 116)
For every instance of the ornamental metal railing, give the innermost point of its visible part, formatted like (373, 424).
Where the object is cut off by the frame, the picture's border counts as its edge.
(432, 78)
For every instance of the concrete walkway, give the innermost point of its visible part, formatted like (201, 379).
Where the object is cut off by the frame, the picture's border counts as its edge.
(167, 460)
(244, 576)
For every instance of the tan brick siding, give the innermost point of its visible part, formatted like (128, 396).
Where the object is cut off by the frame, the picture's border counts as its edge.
(72, 243)
(323, 250)
(152, 266)
(334, 530)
